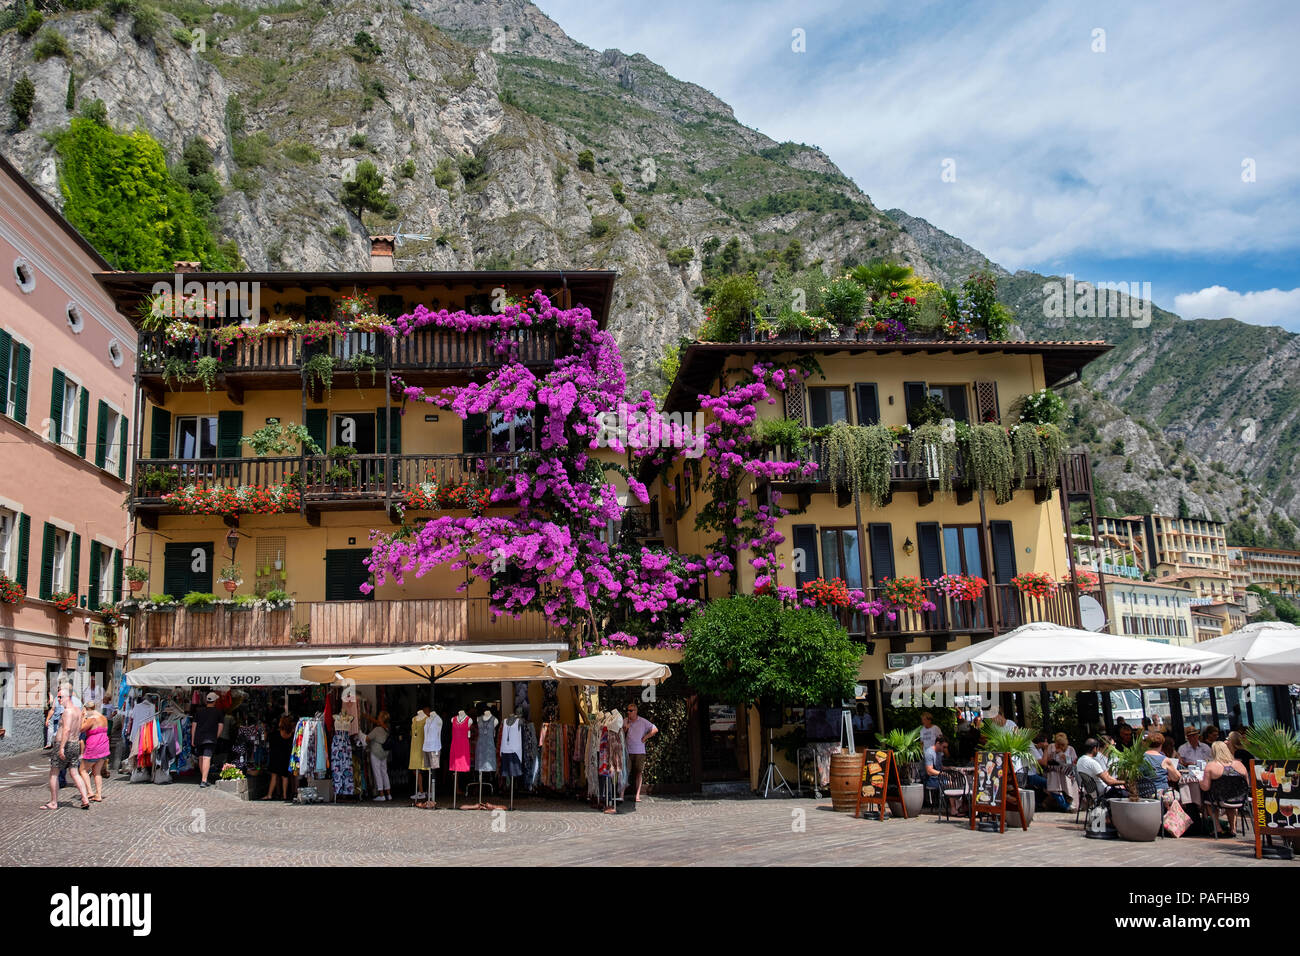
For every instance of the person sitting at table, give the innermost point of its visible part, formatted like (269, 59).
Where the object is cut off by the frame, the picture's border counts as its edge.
(1166, 768)
(1218, 777)
(1058, 758)
(1124, 736)
(1237, 745)
(1062, 752)
(1093, 764)
(934, 757)
(929, 732)
(1194, 749)
(1209, 735)
(1167, 748)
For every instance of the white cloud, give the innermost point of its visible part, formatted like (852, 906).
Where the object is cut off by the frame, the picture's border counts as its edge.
(1267, 307)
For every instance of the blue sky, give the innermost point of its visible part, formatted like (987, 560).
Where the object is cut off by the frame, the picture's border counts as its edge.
(1114, 156)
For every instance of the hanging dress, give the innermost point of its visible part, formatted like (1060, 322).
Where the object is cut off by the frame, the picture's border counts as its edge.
(512, 748)
(485, 748)
(416, 759)
(459, 762)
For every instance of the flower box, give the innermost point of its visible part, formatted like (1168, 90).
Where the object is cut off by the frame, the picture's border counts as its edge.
(237, 787)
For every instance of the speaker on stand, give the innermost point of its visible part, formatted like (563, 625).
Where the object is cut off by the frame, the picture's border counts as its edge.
(771, 716)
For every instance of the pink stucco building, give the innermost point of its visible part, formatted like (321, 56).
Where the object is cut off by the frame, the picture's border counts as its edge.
(66, 364)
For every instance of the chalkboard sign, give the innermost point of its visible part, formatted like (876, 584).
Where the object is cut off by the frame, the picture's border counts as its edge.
(1276, 788)
(880, 783)
(996, 790)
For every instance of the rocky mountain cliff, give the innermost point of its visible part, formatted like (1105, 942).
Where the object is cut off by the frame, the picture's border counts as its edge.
(509, 144)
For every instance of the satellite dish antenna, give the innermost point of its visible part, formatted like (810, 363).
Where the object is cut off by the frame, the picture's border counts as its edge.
(1092, 615)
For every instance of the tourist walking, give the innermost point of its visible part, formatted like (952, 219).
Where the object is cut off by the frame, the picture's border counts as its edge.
(280, 745)
(205, 731)
(66, 749)
(94, 752)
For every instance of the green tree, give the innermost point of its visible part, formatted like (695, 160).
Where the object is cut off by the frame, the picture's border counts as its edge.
(21, 100)
(731, 302)
(366, 192)
(118, 191)
(881, 278)
(364, 48)
(742, 649)
(70, 100)
(792, 255)
(729, 260)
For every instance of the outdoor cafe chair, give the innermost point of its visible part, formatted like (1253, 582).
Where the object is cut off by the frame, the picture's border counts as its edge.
(1228, 793)
(956, 786)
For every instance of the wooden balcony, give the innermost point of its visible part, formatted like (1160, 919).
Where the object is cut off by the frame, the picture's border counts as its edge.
(276, 361)
(383, 625)
(322, 483)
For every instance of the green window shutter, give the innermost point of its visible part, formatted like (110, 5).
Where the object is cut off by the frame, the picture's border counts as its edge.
(24, 544)
(805, 539)
(160, 440)
(56, 405)
(6, 347)
(21, 377)
(75, 548)
(914, 394)
(474, 434)
(117, 575)
(318, 427)
(1004, 552)
(176, 570)
(102, 437)
(83, 421)
(930, 549)
(47, 563)
(868, 403)
(92, 587)
(230, 428)
(122, 448)
(345, 573)
(880, 540)
(388, 437)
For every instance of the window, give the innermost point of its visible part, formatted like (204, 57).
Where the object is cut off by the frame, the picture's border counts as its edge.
(24, 275)
(109, 435)
(15, 361)
(196, 436)
(826, 406)
(115, 354)
(68, 427)
(513, 436)
(840, 555)
(8, 541)
(356, 429)
(952, 397)
(60, 565)
(961, 550)
(75, 321)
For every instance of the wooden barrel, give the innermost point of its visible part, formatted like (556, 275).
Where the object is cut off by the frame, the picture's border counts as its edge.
(846, 780)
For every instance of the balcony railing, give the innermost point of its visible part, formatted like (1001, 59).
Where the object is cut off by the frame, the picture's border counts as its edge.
(1003, 605)
(425, 349)
(363, 479)
(327, 624)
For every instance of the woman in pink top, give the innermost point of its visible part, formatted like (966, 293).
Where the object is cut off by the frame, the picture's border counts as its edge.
(94, 728)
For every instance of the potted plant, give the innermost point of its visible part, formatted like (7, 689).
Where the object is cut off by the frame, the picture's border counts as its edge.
(232, 780)
(1019, 744)
(906, 745)
(136, 576)
(198, 602)
(277, 600)
(1137, 819)
(159, 602)
(11, 592)
(64, 601)
(230, 578)
(301, 633)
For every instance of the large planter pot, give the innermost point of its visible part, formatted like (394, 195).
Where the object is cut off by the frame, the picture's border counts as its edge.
(1136, 820)
(913, 800)
(237, 787)
(846, 780)
(1029, 800)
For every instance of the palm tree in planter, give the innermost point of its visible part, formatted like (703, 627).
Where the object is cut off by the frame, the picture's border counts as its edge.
(1019, 744)
(1136, 818)
(906, 745)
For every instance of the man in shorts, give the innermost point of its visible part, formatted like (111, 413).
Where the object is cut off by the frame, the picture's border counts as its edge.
(66, 751)
(205, 731)
(639, 730)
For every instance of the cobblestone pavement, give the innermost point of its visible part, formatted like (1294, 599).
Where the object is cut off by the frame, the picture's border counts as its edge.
(144, 824)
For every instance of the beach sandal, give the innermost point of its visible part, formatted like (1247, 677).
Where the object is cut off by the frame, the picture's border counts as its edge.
(96, 799)
(49, 806)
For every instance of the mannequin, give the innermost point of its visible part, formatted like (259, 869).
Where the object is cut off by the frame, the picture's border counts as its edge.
(415, 761)
(459, 762)
(485, 751)
(510, 750)
(432, 755)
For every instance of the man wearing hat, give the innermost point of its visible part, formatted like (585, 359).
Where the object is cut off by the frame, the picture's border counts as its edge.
(205, 730)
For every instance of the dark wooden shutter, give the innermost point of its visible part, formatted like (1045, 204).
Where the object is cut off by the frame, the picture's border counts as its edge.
(474, 438)
(914, 394)
(881, 540)
(6, 347)
(56, 405)
(318, 420)
(47, 563)
(160, 439)
(345, 573)
(122, 447)
(178, 579)
(388, 437)
(102, 437)
(117, 575)
(868, 403)
(805, 536)
(92, 588)
(83, 420)
(24, 546)
(230, 428)
(21, 378)
(74, 546)
(1004, 552)
(818, 412)
(986, 402)
(929, 546)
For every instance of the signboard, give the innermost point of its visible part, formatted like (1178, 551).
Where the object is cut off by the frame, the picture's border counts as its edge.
(1276, 787)
(102, 637)
(1120, 570)
(899, 661)
(996, 790)
(878, 772)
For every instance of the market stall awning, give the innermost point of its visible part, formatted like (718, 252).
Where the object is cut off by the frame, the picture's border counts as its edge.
(608, 669)
(426, 664)
(1267, 652)
(245, 672)
(1065, 658)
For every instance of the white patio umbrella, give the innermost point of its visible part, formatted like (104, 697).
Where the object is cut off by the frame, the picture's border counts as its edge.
(1267, 652)
(426, 664)
(608, 669)
(1066, 658)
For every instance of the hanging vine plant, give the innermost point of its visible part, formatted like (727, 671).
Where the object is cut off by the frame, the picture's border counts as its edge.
(1037, 450)
(361, 361)
(319, 370)
(931, 457)
(991, 462)
(859, 458)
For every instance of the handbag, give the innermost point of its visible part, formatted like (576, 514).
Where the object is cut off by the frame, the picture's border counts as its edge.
(1176, 820)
